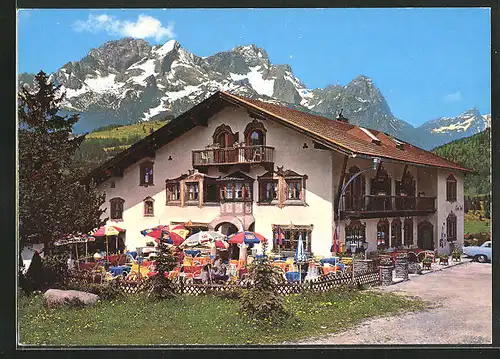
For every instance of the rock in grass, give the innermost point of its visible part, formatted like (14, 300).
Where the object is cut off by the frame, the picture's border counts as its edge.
(54, 298)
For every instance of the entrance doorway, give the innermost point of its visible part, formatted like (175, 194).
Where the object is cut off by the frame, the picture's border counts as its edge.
(425, 238)
(227, 229)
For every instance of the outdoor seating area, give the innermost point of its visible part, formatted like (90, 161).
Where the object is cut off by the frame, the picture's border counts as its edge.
(202, 257)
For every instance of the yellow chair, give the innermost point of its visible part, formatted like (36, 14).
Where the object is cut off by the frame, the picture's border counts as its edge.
(346, 260)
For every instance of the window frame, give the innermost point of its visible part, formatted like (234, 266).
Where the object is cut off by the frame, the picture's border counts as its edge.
(383, 224)
(223, 190)
(451, 188)
(275, 184)
(145, 211)
(142, 173)
(408, 227)
(211, 182)
(191, 202)
(451, 227)
(113, 203)
(169, 191)
(396, 235)
(292, 231)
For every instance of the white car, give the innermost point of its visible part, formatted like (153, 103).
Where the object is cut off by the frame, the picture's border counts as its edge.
(481, 253)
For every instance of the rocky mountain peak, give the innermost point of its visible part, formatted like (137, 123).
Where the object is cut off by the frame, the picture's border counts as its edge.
(129, 80)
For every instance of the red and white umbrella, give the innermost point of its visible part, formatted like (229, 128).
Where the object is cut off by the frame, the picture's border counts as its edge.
(247, 238)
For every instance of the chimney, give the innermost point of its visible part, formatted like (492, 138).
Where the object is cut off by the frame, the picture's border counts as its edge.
(341, 117)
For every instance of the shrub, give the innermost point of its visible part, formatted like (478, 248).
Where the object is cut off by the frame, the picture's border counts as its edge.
(260, 301)
(34, 279)
(55, 270)
(162, 287)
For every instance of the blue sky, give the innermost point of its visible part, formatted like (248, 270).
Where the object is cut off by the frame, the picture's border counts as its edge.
(428, 63)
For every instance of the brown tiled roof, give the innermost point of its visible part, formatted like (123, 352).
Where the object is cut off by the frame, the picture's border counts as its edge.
(348, 136)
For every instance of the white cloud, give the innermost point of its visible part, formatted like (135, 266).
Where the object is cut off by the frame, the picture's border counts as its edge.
(454, 97)
(145, 27)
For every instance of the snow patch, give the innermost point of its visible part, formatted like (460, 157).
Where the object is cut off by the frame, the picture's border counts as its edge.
(361, 100)
(148, 68)
(461, 126)
(261, 86)
(103, 84)
(166, 48)
(179, 94)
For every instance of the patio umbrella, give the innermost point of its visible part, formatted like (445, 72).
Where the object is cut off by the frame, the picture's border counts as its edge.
(170, 237)
(246, 237)
(106, 230)
(203, 237)
(300, 255)
(179, 229)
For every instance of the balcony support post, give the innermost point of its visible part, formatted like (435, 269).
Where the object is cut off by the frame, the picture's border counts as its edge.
(341, 181)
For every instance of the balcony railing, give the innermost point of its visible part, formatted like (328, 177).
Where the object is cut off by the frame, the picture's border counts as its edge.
(372, 203)
(233, 155)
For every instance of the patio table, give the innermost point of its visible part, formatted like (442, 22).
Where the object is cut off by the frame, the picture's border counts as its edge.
(193, 269)
(117, 271)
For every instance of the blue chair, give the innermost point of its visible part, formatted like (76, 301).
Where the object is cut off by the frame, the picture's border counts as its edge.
(292, 276)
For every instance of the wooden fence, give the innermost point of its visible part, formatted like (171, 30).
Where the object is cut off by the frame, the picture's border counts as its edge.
(321, 284)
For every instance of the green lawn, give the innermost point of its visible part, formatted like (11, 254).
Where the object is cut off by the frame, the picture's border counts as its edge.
(199, 320)
(471, 226)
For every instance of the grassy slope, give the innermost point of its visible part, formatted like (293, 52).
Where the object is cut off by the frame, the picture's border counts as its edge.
(199, 320)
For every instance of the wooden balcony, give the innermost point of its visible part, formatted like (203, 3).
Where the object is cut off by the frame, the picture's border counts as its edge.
(386, 206)
(225, 157)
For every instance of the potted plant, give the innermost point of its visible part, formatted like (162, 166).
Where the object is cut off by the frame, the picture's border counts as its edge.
(426, 263)
(443, 259)
(456, 255)
(385, 262)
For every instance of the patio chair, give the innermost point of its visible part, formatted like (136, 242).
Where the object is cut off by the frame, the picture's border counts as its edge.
(257, 154)
(204, 157)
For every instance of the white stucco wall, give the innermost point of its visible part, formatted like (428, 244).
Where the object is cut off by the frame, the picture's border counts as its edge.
(289, 153)
(446, 207)
(322, 167)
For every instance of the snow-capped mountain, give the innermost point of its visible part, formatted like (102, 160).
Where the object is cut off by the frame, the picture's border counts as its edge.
(447, 129)
(129, 80)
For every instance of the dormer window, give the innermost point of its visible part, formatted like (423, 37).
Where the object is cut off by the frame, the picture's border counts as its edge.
(146, 174)
(451, 188)
(149, 207)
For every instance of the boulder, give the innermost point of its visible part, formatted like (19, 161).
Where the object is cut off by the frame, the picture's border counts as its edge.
(54, 298)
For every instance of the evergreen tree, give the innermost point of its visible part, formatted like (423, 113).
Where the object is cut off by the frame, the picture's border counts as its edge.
(52, 200)
(162, 286)
(261, 300)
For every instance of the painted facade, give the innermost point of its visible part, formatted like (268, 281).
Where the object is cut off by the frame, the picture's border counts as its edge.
(294, 152)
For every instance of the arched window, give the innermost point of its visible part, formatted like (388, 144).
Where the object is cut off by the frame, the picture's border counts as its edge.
(381, 190)
(223, 136)
(256, 138)
(355, 191)
(116, 208)
(149, 207)
(255, 134)
(383, 234)
(355, 235)
(451, 188)
(396, 240)
(451, 227)
(408, 232)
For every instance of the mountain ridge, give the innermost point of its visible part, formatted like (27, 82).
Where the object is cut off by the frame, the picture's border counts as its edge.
(129, 80)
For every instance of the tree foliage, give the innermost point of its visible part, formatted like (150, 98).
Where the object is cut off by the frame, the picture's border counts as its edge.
(472, 152)
(261, 301)
(52, 200)
(162, 286)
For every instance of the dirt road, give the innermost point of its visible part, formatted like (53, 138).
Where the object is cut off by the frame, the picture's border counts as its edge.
(461, 297)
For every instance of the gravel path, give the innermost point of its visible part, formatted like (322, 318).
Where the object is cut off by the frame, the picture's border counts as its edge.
(460, 314)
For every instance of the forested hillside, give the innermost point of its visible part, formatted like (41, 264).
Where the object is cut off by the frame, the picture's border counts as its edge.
(108, 141)
(474, 153)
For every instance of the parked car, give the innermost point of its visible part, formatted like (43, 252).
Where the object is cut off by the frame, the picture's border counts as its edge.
(480, 253)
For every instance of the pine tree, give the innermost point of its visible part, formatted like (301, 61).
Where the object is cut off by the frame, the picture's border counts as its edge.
(261, 300)
(52, 200)
(162, 286)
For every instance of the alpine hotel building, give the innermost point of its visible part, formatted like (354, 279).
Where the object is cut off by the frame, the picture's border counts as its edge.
(231, 163)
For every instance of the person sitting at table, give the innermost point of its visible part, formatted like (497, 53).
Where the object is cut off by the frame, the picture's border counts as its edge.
(220, 270)
(207, 274)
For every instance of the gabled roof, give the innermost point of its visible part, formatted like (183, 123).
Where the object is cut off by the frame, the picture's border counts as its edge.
(336, 135)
